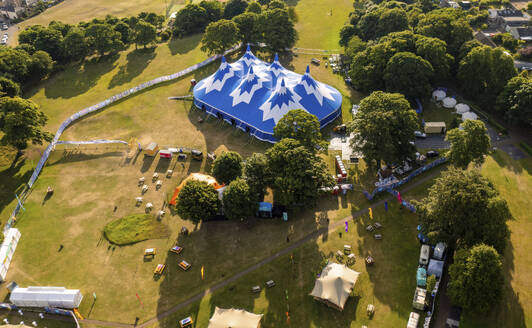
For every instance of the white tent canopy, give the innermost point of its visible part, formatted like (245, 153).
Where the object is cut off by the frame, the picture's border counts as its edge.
(335, 285)
(449, 102)
(461, 108)
(46, 296)
(469, 116)
(438, 94)
(234, 318)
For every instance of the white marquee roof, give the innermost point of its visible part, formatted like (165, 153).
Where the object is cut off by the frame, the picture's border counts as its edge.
(335, 284)
(234, 318)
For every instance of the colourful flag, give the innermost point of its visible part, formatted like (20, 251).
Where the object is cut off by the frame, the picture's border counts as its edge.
(138, 297)
(399, 197)
(371, 213)
(202, 272)
(386, 206)
(346, 226)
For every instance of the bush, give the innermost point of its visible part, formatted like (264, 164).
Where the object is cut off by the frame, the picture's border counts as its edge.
(165, 35)
(527, 148)
(134, 228)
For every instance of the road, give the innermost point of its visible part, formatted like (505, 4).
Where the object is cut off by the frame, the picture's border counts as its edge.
(331, 228)
(520, 64)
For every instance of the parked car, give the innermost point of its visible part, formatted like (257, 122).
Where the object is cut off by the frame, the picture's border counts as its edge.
(526, 68)
(420, 134)
(4, 27)
(439, 251)
(432, 153)
(424, 255)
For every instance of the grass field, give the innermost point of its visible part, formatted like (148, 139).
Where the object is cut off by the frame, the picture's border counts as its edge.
(134, 228)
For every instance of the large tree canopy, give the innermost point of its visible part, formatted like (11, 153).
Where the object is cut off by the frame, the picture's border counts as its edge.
(219, 36)
(408, 74)
(515, 101)
(103, 38)
(298, 173)
(476, 279)
(248, 28)
(197, 201)
(234, 8)
(190, 19)
(145, 33)
(14, 64)
(300, 125)
(9, 88)
(277, 29)
(256, 173)
(238, 200)
(485, 71)
(470, 143)
(22, 121)
(227, 167)
(464, 209)
(384, 127)
(43, 38)
(380, 21)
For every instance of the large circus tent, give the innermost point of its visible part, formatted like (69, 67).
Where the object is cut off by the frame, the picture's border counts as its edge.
(254, 95)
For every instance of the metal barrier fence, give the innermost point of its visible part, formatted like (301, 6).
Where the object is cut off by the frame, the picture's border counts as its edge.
(99, 106)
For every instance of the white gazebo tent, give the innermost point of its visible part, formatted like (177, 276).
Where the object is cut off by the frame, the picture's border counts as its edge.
(334, 285)
(59, 297)
(234, 318)
(449, 102)
(438, 95)
(469, 116)
(461, 108)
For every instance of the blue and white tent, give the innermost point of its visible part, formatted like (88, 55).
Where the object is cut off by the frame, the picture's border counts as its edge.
(254, 95)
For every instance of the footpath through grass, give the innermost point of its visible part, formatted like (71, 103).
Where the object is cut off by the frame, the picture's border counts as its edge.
(134, 228)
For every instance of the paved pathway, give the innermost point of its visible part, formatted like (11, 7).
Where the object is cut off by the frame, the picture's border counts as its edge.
(311, 236)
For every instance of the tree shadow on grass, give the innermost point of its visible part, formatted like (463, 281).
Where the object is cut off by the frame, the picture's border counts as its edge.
(11, 180)
(79, 78)
(71, 156)
(137, 61)
(504, 160)
(184, 45)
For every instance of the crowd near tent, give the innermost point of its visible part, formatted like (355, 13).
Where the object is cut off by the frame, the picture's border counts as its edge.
(59, 297)
(254, 95)
(469, 116)
(461, 108)
(234, 318)
(449, 102)
(438, 94)
(334, 285)
(11, 238)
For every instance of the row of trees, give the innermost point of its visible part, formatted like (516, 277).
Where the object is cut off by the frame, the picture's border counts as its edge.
(272, 25)
(290, 168)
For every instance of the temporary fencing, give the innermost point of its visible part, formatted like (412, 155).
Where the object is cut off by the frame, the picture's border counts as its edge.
(99, 106)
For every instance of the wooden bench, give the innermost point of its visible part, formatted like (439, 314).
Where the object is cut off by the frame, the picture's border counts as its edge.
(270, 283)
(255, 289)
(176, 249)
(184, 265)
(159, 269)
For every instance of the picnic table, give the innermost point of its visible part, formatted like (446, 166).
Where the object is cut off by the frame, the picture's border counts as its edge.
(159, 269)
(255, 289)
(150, 252)
(184, 265)
(270, 283)
(176, 249)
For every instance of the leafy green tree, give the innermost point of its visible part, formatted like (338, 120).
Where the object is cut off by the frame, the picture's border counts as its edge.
(346, 33)
(152, 18)
(507, 41)
(102, 38)
(368, 24)
(470, 143)
(368, 66)
(476, 279)
(300, 125)
(431, 282)
(22, 121)
(126, 33)
(447, 24)
(227, 167)
(264, 2)
(254, 7)
(464, 209)
(197, 201)
(409, 74)
(383, 128)
(434, 51)
(516, 100)
(277, 29)
(14, 64)
(238, 201)
(256, 173)
(219, 36)
(234, 8)
(414, 16)
(191, 19)
(485, 71)
(426, 5)
(276, 4)
(299, 174)
(45, 39)
(41, 65)
(381, 21)
(145, 33)
(466, 48)
(60, 26)
(248, 29)
(76, 47)
(213, 8)
(9, 88)
(354, 46)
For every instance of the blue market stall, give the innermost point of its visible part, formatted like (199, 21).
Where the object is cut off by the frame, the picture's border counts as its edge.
(254, 95)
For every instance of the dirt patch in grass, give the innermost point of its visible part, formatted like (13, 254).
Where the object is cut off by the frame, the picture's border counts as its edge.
(134, 228)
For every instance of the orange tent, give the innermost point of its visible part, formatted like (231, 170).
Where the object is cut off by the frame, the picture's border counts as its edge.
(199, 177)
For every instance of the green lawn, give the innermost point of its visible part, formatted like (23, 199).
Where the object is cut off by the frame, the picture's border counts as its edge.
(436, 113)
(134, 228)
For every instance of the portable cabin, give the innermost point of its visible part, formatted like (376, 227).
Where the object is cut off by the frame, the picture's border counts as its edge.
(435, 127)
(413, 320)
(421, 277)
(419, 298)
(265, 210)
(151, 149)
(46, 297)
(424, 255)
(165, 154)
(439, 251)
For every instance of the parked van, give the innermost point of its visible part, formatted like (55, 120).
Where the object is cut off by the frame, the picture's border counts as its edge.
(424, 255)
(413, 320)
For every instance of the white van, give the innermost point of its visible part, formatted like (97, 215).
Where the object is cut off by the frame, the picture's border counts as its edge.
(424, 255)
(413, 320)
